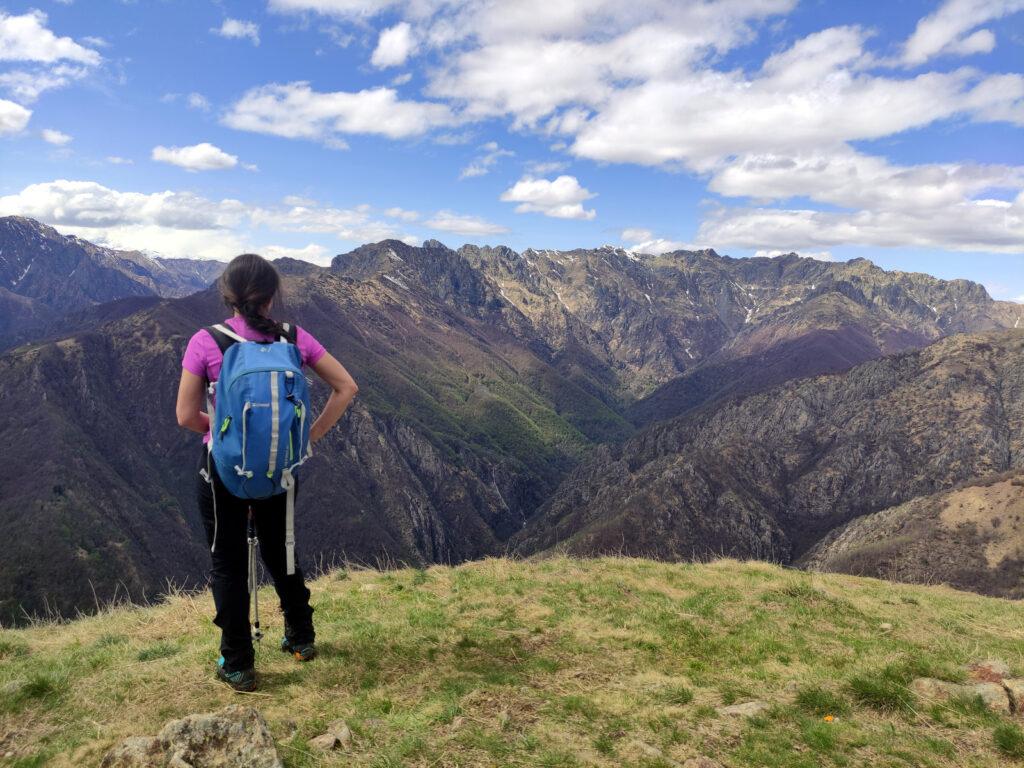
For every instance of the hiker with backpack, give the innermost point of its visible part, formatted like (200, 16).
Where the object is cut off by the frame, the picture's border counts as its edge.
(257, 432)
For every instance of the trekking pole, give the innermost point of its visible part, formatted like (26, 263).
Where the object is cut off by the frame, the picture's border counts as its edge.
(257, 633)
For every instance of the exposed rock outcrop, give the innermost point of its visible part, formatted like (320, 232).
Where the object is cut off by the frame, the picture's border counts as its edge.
(235, 737)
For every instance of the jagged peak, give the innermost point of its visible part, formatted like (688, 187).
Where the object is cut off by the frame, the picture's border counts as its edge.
(38, 227)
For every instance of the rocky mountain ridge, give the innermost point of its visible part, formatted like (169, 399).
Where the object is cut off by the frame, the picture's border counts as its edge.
(44, 275)
(668, 333)
(486, 377)
(655, 318)
(461, 431)
(768, 475)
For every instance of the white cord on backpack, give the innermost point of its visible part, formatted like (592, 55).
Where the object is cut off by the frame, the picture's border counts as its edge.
(207, 475)
(253, 581)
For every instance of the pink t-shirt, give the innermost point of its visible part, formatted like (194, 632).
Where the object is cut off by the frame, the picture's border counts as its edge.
(203, 357)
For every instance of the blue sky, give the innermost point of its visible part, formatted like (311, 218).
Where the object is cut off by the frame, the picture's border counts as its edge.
(306, 127)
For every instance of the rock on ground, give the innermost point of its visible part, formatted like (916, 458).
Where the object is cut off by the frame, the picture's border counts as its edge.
(931, 691)
(337, 735)
(235, 737)
(989, 670)
(748, 709)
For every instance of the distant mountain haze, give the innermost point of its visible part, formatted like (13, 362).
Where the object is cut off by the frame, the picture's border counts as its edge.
(501, 398)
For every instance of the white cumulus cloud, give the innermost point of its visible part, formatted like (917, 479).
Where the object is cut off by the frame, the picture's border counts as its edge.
(971, 225)
(28, 85)
(13, 117)
(648, 83)
(636, 234)
(314, 252)
(841, 176)
(393, 46)
(198, 157)
(402, 213)
(236, 28)
(197, 101)
(90, 204)
(340, 8)
(949, 29)
(816, 255)
(643, 240)
(186, 224)
(51, 136)
(449, 221)
(561, 198)
(295, 110)
(489, 156)
(27, 38)
(44, 60)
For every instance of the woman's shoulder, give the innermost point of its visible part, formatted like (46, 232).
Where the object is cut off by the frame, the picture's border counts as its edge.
(198, 352)
(202, 338)
(311, 349)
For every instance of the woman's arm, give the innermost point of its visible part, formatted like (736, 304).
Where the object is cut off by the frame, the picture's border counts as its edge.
(190, 403)
(343, 389)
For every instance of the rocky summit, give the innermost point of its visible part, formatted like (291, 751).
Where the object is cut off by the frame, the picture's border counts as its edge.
(586, 399)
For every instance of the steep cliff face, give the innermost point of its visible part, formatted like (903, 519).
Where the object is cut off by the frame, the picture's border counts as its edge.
(770, 474)
(971, 537)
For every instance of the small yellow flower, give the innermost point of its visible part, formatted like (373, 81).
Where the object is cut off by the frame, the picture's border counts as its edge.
(829, 718)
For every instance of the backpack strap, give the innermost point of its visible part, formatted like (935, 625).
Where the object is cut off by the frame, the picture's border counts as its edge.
(291, 333)
(224, 336)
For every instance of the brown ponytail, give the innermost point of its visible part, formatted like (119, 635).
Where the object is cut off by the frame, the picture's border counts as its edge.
(248, 284)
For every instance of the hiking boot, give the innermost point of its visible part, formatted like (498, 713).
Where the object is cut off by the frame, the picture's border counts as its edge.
(301, 651)
(244, 680)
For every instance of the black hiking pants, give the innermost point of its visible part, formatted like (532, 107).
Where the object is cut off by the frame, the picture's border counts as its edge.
(229, 575)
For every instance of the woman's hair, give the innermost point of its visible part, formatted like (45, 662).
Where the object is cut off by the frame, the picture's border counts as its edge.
(248, 284)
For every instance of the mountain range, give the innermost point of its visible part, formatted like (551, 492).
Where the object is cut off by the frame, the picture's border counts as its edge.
(592, 400)
(44, 276)
(769, 475)
(971, 537)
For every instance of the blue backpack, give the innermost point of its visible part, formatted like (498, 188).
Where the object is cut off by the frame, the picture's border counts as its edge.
(259, 426)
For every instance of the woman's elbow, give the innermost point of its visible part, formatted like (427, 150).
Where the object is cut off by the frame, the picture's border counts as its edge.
(184, 418)
(350, 389)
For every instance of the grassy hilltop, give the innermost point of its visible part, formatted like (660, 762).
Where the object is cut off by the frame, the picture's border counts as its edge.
(554, 663)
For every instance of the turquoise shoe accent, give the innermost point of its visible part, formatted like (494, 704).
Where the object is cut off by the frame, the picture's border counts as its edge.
(243, 680)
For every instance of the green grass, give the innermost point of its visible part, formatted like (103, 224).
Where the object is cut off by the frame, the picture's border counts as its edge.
(881, 691)
(161, 650)
(818, 701)
(610, 662)
(1009, 740)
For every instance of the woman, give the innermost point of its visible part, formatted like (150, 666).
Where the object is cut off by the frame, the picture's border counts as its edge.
(249, 285)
